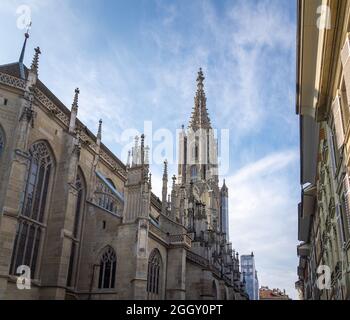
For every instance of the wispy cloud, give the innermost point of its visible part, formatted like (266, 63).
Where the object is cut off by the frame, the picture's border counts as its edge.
(263, 219)
(145, 69)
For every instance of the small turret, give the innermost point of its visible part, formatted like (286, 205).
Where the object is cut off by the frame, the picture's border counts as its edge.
(74, 111)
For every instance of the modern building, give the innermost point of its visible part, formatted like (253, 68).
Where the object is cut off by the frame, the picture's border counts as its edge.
(81, 224)
(322, 104)
(250, 276)
(272, 294)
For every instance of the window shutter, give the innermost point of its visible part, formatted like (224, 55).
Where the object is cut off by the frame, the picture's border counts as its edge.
(340, 225)
(338, 124)
(331, 150)
(345, 52)
(345, 55)
(346, 188)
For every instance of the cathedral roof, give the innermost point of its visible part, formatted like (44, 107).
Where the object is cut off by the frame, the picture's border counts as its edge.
(200, 117)
(14, 69)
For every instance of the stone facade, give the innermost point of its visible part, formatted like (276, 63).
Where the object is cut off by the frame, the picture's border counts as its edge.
(323, 90)
(88, 225)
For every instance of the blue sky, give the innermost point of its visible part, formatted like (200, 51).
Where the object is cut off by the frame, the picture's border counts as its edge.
(137, 60)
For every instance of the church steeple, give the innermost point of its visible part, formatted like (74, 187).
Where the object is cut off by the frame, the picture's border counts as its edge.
(200, 118)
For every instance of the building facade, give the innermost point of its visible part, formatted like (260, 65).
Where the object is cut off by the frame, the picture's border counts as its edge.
(272, 294)
(323, 95)
(78, 223)
(250, 276)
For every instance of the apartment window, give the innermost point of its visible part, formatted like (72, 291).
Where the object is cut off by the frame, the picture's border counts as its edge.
(330, 142)
(108, 266)
(338, 121)
(30, 223)
(344, 105)
(345, 204)
(335, 154)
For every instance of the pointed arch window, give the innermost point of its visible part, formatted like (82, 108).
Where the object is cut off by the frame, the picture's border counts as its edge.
(108, 266)
(154, 275)
(107, 196)
(79, 208)
(31, 220)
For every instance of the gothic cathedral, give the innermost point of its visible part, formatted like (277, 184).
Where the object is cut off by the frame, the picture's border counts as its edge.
(78, 223)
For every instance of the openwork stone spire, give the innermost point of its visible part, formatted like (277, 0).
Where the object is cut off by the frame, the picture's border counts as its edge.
(99, 132)
(35, 64)
(200, 117)
(74, 111)
(75, 101)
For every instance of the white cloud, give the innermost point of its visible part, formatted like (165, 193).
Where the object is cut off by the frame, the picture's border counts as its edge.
(245, 51)
(263, 217)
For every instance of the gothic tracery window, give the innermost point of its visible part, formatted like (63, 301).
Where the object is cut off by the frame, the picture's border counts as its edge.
(154, 275)
(106, 195)
(108, 266)
(31, 220)
(194, 173)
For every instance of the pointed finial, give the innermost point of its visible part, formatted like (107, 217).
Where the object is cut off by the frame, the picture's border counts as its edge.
(147, 155)
(35, 64)
(165, 173)
(26, 37)
(99, 133)
(75, 101)
(200, 79)
(142, 149)
(174, 180)
(74, 112)
(128, 160)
